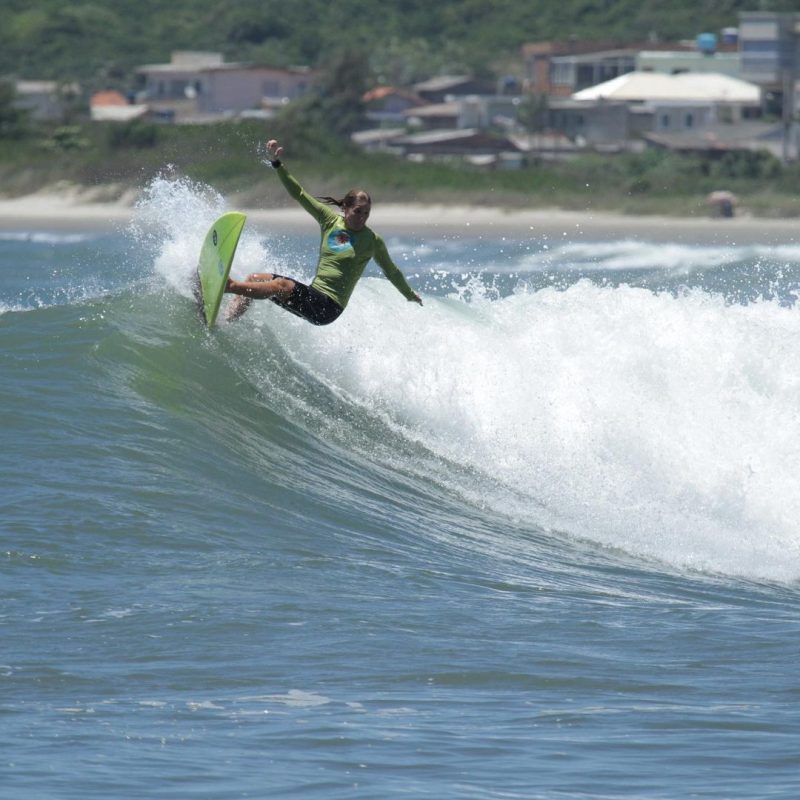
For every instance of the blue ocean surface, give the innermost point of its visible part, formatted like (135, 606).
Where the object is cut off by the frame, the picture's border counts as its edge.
(537, 539)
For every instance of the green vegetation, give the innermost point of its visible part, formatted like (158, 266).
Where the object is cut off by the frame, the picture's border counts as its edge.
(226, 156)
(13, 121)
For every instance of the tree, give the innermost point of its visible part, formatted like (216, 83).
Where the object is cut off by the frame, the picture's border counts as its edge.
(532, 113)
(335, 105)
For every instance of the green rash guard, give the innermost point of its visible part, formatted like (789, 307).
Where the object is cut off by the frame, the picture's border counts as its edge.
(343, 254)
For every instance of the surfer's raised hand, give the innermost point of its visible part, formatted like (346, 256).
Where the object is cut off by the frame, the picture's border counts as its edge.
(274, 150)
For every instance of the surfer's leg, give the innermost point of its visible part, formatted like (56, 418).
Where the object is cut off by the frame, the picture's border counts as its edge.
(257, 286)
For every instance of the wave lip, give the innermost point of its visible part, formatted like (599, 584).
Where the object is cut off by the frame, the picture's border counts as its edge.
(662, 425)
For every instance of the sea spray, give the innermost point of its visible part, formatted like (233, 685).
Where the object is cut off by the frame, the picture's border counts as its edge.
(173, 217)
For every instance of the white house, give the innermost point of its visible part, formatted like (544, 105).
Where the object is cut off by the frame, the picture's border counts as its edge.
(684, 100)
(199, 85)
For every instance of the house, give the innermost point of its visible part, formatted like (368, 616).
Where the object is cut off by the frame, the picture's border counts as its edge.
(619, 112)
(377, 139)
(46, 101)
(694, 96)
(606, 122)
(232, 88)
(447, 87)
(468, 144)
(439, 116)
(180, 79)
(386, 105)
(471, 111)
(199, 86)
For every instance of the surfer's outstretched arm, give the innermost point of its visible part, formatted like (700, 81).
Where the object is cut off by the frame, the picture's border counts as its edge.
(319, 210)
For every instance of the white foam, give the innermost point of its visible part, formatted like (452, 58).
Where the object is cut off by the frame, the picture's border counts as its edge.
(630, 255)
(295, 698)
(43, 237)
(666, 426)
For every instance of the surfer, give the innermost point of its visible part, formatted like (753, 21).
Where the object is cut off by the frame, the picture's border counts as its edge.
(347, 246)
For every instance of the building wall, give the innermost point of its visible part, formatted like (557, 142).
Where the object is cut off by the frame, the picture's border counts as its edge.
(596, 123)
(769, 44)
(602, 122)
(569, 74)
(41, 99)
(171, 84)
(235, 90)
(674, 118)
(672, 62)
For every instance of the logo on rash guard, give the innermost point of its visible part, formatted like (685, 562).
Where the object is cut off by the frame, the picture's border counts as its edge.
(339, 240)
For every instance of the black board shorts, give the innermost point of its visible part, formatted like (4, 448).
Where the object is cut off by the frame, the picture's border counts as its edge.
(309, 303)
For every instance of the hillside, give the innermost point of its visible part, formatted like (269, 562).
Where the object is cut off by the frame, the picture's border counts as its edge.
(100, 42)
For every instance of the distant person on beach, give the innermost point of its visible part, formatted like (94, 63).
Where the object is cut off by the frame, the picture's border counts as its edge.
(347, 246)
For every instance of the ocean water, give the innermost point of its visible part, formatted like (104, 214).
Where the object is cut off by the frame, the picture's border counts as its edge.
(537, 539)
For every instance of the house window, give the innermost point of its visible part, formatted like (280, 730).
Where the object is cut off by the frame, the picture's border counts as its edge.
(585, 76)
(761, 47)
(561, 74)
(758, 56)
(688, 121)
(665, 120)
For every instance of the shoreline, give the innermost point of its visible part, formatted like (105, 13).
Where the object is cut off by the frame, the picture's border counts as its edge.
(49, 212)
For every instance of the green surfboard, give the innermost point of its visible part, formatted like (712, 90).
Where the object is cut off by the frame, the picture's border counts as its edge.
(216, 257)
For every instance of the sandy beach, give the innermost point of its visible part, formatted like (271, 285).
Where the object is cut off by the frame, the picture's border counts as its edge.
(74, 212)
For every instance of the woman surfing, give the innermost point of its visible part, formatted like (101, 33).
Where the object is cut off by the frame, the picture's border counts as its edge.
(346, 247)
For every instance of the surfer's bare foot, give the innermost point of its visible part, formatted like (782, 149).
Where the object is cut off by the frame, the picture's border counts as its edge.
(237, 307)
